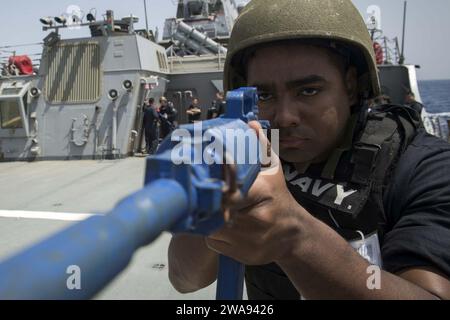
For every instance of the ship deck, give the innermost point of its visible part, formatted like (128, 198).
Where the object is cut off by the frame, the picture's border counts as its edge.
(38, 199)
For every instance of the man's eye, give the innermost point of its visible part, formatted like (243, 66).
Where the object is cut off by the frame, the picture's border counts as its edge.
(309, 92)
(264, 96)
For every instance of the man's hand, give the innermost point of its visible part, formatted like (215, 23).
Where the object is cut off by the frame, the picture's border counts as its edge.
(266, 224)
(192, 266)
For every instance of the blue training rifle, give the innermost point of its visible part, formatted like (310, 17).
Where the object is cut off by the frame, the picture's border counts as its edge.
(180, 198)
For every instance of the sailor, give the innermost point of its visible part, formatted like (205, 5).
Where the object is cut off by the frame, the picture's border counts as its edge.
(218, 106)
(352, 190)
(194, 112)
(168, 116)
(410, 101)
(150, 125)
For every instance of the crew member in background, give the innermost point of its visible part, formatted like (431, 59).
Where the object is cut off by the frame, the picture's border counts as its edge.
(194, 112)
(410, 101)
(218, 106)
(150, 125)
(168, 116)
(212, 111)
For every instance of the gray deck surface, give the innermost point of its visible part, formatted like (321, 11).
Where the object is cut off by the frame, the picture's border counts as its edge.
(84, 187)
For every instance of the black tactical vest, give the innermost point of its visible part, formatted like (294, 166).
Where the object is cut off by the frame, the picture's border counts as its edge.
(346, 193)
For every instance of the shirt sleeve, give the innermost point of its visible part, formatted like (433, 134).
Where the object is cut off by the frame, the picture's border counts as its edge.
(418, 209)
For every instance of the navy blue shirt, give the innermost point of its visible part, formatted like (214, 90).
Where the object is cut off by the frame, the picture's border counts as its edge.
(417, 209)
(417, 205)
(150, 119)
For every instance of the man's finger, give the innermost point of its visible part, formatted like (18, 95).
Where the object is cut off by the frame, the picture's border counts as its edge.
(217, 245)
(268, 157)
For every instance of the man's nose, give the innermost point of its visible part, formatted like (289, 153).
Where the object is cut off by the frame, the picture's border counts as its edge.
(286, 114)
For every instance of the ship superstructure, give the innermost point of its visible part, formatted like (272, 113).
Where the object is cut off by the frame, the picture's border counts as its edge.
(84, 101)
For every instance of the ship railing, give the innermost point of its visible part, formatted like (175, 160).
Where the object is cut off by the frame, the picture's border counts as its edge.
(437, 124)
(32, 50)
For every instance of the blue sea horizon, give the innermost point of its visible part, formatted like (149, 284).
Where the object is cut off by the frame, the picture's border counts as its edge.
(435, 95)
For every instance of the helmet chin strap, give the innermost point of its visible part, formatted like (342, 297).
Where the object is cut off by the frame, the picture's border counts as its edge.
(345, 144)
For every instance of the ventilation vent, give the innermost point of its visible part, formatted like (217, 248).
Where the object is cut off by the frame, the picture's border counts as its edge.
(162, 61)
(73, 73)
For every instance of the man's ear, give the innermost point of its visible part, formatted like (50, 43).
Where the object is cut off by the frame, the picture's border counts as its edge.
(351, 83)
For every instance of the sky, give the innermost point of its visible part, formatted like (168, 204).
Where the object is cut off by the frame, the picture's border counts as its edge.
(426, 41)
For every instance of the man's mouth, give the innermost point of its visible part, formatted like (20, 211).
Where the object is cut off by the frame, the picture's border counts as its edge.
(292, 142)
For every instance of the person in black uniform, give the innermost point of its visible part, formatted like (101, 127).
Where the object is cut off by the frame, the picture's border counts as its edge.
(194, 112)
(221, 103)
(151, 119)
(353, 189)
(218, 107)
(213, 112)
(168, 116)
(410, 101)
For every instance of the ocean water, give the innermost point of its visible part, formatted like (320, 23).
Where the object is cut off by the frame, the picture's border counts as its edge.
(435, 95)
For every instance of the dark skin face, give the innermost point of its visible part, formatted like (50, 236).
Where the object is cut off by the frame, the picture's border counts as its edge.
(219, 96)
(307, 95)
(409, 98)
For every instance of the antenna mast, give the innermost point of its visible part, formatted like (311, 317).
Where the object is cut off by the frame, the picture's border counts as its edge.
(146, 17)
(402, 55)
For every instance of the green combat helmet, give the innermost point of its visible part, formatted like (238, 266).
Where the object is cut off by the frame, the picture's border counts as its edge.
(337, 22)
